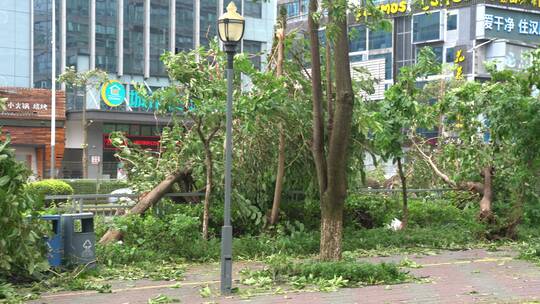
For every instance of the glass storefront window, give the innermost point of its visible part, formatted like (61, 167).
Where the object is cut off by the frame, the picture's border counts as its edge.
(109, 128)
(380, 39)
(426, 27)
(124, 128)
(146, 131)
(134, 130)
(357, 38)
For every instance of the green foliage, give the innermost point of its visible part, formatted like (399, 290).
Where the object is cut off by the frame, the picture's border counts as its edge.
(402, 109)
(369, 211)
(336, 274)
(21, 245)
(49, 187)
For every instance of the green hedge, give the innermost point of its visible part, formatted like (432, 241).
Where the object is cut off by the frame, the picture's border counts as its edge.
(48, 187)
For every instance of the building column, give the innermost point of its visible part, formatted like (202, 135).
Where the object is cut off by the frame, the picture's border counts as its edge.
(172, 25)
(146, 38)
(196, 24)
(63, 36)
(120, 39)
(92, 30)
(31, 43)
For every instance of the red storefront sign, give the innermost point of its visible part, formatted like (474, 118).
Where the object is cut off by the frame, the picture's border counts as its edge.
(145, 142)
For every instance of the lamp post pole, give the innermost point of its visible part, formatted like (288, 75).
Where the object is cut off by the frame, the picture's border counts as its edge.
(226, 230)
(231, 30)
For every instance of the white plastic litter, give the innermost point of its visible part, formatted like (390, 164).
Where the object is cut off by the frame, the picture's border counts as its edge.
(121, 200)
(395, 225)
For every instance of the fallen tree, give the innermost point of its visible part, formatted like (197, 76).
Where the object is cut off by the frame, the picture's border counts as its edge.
(146, 201)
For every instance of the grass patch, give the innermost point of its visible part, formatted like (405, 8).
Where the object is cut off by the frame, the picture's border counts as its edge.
(321, 276)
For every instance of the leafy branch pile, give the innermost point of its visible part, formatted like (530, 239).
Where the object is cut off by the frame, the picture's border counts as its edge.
(21, 244)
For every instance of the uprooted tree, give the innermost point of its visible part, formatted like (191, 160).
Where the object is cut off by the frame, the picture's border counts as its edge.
(489, 142)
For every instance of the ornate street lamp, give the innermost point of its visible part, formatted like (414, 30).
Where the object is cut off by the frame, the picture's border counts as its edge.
(231, 31)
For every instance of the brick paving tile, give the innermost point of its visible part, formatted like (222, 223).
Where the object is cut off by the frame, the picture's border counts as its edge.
(472, 276)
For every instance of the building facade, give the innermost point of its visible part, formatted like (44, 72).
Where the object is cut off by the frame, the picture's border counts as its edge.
(125, 38)
(462, 33)
(27, 121)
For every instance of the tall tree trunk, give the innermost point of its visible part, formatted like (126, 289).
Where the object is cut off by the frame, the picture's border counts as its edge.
(329, 84)
(279, 177)
(146, 201)
(403, 178)
(208, 191)
(336, 191)
(280, 33)
(317, 145)
(487, 198)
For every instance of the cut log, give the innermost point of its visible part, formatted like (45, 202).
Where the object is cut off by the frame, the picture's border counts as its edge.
(146, 201)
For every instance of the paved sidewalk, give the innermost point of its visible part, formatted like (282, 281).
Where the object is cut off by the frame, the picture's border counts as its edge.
(472, 276)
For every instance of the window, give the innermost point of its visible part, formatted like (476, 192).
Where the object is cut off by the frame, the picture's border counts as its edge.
(293, 9)
(380, 39)
(133, 37)
(451, 22)
(184, 25)
(357, 38)
(146, 131)
(426, 27)
(108, 128)
(253, 49)
(253, 8)
(387, 63)
(106, 29)
(134, 130)
(304, 9)
(159, 35)
(356, 58)
(122, 128)
(208, 20)
(450, 55)
(437, 49)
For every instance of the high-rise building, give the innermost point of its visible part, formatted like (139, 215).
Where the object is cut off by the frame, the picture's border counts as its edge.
(462, 33)
(125, 38)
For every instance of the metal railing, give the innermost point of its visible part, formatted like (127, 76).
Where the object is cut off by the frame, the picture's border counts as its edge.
(99, 203)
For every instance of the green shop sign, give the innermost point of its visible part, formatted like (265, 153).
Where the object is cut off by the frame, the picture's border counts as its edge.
(113, 93)
(512, 25)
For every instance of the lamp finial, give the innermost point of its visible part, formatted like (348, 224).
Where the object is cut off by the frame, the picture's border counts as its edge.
(231, 8)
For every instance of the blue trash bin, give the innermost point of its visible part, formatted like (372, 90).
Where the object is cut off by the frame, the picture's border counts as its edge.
(79, 239)
(55, 242)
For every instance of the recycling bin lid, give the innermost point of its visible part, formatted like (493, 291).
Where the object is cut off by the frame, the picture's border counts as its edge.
(50, 216)
(79, 215)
